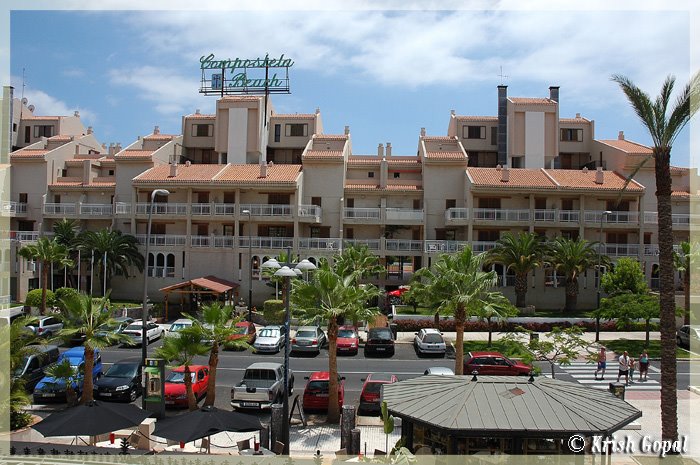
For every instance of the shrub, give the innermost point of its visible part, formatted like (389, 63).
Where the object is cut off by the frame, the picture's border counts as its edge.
(273, 312)
(482, 326)
(64, 293)
(34, 298)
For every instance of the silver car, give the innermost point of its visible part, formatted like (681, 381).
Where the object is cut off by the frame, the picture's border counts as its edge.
(686, 333)
(309, 339)
(270, 339)
(46, 326)
(429, 341)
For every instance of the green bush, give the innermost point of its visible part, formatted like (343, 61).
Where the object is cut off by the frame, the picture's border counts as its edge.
(34, 298)
(64, 293)
(273, 312)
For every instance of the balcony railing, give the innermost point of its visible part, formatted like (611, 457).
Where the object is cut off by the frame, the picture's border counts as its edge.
(168, 240)
(403, 214)
(353, 213)
(162, 208)
(620, 250)
(201, 209)
(60, 209)
(594, 216)
(318, 243)
(122, 208)
(224, 208)
(497, 214)
(96, 209)
(161, 271)
(404, 245)
(224, 241)
(433, 246)
(309, 211)
(482, 246)
(11, 208)
(257, 242)
(25, 236)
(569, 216)
(452, 214)
(548, 216)
(372, 244)
(266, 210)
(200, 241)
(678, 219)
(653, 249)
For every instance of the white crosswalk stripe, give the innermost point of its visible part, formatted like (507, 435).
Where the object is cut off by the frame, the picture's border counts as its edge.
(583, 373)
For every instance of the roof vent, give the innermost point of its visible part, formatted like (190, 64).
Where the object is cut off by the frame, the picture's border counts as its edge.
(578, 115)
(197, 112)
(422, 132)
(505, 174)
(599, 176)
(76, 113)
(89, 130)
(621, 135)
(263, 170)
(156, 130)
(498, 167)
(585, 169)
(388, 149)
(347, 130)
(173, 170)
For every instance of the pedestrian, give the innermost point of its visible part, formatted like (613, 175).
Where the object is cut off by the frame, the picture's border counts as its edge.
(602, 362)
(643, 364)
(624, 367)
(632, 367)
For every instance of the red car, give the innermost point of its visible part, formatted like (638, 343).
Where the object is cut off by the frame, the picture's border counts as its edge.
(372, 389)
(316, 391)
(494, 363)
(348, 340)
(244, 330)
(175, 394)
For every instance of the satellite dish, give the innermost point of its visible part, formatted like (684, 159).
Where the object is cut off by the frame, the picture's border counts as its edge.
(31, 108)
(24, 101)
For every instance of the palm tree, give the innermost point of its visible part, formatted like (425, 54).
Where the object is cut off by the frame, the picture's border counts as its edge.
(121, 251)
(571, 258)
(182, 350)
(494, 306)
(66, 232)
(521, 254)
(688, 258)
(66, 373)
(460, 286)
(90, 318)
(359, 262)
(664, 123)
(47, 252)
(215, 325)
(330, 296)
(19, 344)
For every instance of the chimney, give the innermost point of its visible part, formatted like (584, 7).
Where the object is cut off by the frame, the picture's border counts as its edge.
(380, 151)
(502, 130)
(104, 146)
(173, 170)
(453, 113)
(197, 112)
(111, 148)
(388, 149)
(599, 175)
(505, 174)
(554, 93)
(156, 130)
(89, 130)
(118, 147)
(347, 130)
(263, 170)
(318, 111)
(422, 132)
(77, 149)
(76, 113)
(578, 115)
(621, 135)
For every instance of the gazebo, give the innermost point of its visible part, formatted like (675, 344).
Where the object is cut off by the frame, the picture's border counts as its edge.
(210, 285)
(515, 415)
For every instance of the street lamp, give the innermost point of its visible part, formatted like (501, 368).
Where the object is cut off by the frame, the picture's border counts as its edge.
(600, 241)
(144, 308)
(250, 267)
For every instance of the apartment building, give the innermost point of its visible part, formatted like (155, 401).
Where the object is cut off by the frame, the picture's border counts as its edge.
(246, 183)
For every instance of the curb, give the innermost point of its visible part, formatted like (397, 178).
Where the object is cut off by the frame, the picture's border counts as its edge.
(694, 389)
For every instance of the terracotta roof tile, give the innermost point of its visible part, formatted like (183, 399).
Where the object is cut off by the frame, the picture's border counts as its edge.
(531, 101)
(91, 185)
(627, 146)
(574, 120)
(363, 160)
(134, 155)
(28, 153)
(517, 178)
(476, 118)
(185, 174)
(680, 194)
(549, 179)
(439, 138)
(160, 137)
(250, 174)
(446, 155)
(360, 186)
(200, 115)
(580, 179)
(32, 117)
(330, 137)
(213, 283)
(294, 116)
(61, 137)
(323, 154)
(357, 185)
(679, 170)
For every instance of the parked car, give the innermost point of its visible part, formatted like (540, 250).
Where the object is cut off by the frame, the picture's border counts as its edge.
(270, 339)
(31, 369)
(175, 393)
(244, 330)
(380, 341)
(135, 330)
(309, 339)
(348, 340)
(429, 341)
(120, 324)
(262, 385)
(370, 397)
(52, 389)
(440, 371)
(685, 333)
(177, 326)
(45, 326)
(122, 381)
(316, 391)
(494, 363)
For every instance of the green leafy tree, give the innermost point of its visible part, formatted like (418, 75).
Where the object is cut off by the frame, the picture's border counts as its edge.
(46, 252)
(520, 254)
(181, 351)
(626, 308)
(416, 296)
(687, 260)
(19, 344)
(664, 121)
(571, 258)
(626, 277)
(121, 250)
(559, 346)
(496, 307)
(68, 375)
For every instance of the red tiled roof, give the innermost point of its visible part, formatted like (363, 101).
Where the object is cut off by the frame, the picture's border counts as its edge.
(330, 136)
(440, 138)
(357, 185)
(160, 137)
(364, 160)
(134, 155)
(323, 154)
(247, 174)
(184, 174)
(294, 116)
(531, 101)
(679, 170)
(445, 155)
(574, 120)
(28, 153)
(579, 179)
(208, 282)
(517, 178)
(476, 118)
(680, 194)
(60, 137)
(550, 179)
(200, 115)
(628, 146)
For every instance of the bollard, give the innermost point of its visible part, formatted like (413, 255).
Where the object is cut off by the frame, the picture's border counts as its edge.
(276, 423)
(354, 448)
(146, 433)
(347, 423)
(265, 436)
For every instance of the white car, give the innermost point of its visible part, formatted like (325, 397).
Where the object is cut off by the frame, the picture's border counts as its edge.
(177, 326)
(440, 371)
(270, 339)
(134, 331)
(429, 341)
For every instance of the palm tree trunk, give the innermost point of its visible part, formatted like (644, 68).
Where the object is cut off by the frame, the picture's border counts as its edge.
(191, 401)
(71, 398)
(571, 295)
(333, 410)
(520, 289)
(686, 289)
(436, 319)
(488, 320)
(669, 400)
(87, 375)
(44, 284)
(211, 384)
(460, 317)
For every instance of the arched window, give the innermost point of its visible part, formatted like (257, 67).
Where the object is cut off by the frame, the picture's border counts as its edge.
(170, 266)
(160, 265)
(655, 276)
(151, 264)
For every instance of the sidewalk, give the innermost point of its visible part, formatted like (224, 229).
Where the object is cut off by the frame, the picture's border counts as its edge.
(405, 337)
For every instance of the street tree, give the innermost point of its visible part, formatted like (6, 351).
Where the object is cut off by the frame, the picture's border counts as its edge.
(495, 307)
(626, 277)
(626, 308)
(520, 254)
(559, 346)
(121, 250)
(68, 375)
(571, 258)
(46, 252)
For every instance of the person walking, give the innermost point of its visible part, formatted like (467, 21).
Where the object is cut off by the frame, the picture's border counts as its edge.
(624, 368)
(632, 368)
(602, 362)
(643, 364)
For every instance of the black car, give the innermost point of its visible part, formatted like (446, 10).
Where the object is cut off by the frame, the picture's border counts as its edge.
(121, 382)
(380, 341)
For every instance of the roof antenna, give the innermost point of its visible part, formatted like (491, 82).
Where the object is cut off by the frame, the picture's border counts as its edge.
(501, 75)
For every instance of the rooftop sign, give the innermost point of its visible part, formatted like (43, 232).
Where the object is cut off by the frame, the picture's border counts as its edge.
(257, 76)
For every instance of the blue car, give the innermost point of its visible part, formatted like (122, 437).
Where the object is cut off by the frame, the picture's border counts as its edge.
(54, 390)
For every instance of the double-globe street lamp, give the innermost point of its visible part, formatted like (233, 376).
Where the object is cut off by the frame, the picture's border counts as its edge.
(603, 216)
(287, 272)
(144, 308)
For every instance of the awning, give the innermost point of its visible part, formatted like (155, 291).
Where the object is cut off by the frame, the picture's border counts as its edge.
(210, 283)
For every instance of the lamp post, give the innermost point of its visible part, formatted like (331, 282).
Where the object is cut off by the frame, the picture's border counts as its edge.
(144, 308)
(250, 267)
(600, 241)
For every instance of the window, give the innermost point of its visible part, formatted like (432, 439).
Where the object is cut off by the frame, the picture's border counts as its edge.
(350, 233)
(370, 174)
(494, 135)
(57, 198)
(488, 202)
(567, 204)
(278, 132)
(278, 199)
(64, 172)
(110, 173)
(277, 231)
(296, 130)
(43, 131)
(27, 134)
(350, 203)
(450, 203)
(570, 234)
(320, 232)
(397, 175)
(570, 135)
(647, 238)
(23, 198)
(202, 130)
(488, 235)
(540, 203)
(157, 228)
(616, 238)
(316, 201)
(474, 132)
(517, 162)
(445, 234)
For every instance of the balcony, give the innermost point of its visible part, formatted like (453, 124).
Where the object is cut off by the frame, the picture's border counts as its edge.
(653, 249)
(162, 209)
(26, 236)
(201, 209)
(569, 216)
(200, 241)
(482, 246)
(319, 244)
(403, 245)
(266, 210)
(122, 208)
(224, 209)
(362, 215)
(457, 216)
(620, 250)
(257, 242)
(433, 246)
(96, 209)
(166, 240)
(681, 220)
(497, 214)
(545, 216)
(161, 271)
(372, 244)
(403, 215)
(309, 213)
(224, 242)
(12, 208)
(60, 209)
(595, 216)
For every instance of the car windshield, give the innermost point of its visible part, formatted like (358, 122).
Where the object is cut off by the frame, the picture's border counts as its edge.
(432, 338)
(179, 326)
(134, 327)
(178, 377)
(240, 330)
(384, 335)
(270, 332)
(20, 368)
(373, 388)
(122, 370)
(308, 334)
(346, 333)
(318, 386)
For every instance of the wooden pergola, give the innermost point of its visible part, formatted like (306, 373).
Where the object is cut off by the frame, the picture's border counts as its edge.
(210, 285)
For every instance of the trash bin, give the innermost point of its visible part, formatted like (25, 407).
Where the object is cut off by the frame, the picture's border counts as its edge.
(394, 329)
(618, 390)
(534, 337)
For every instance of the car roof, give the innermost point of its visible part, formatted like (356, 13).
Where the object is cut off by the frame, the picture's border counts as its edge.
(348, 327)
(124, 318)
(193, 368)
(264, 366)
(381, 328)
(277, 327)
(182, 320)
(307, 328)
(431, 330)
(77, 351)
(486, 354)
(440, 371)
(319, 376)
(380, 377)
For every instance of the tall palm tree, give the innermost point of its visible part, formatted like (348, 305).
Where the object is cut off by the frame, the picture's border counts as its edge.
(494, 306)
(521, 254)
(359, 262)
(664, 121)
(121, 250)
(67, 374)
(90, 318)
(687, 258)
(65, 232)
(571, 258)
(458, 283)
(329, 295)
(19, 344)
(182, 350)
(47, 252)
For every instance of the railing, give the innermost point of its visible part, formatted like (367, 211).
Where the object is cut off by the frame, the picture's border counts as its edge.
(96, 209)
(653, 249)
(266, 242)
(362, 213)
(432, 246)
(224, 241)
(309, 211)
(404, 245)
(482, 246)
(498, 214)
(25, 236)
(161, 271)
(122, 208)
(318, 243)
(372, 244)
(13, 208)
(162, 208)
(200, 241)
(549, 216)
(201, 209)
(594, 216)
(224, 208)
(266, 210)
(678, 219)
(168, 240)
(569, 216)
(452, 214)
(403, 214)
(60, 208)
(620, 250)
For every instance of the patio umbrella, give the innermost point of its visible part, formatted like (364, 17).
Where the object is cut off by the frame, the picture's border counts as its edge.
(205, 422)
(91, 419)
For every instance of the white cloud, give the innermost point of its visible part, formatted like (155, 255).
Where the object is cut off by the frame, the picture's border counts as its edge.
(45, 104)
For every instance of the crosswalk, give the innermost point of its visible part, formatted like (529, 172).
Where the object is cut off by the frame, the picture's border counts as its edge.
(583, 372)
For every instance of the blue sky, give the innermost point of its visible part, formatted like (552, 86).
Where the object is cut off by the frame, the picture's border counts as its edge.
(384, 73)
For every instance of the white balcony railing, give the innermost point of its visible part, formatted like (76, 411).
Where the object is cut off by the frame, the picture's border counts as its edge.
(122, 208)
(25, 236)
(309, 211)
(452, 214)
(224, 241)
(200, 241)
(404, 245)
(353, 213)
(224, 208)
(497, 214)
(545, 216)
(162, 208)
(372, 244)
(60, 209)
(161, 271)
(569, 216)
(678, 219)
(319, 243)
(258, 242)
(620, 250)
(96, 209)
(266, 210)
(653, 249)
(482, 246)
(168, 240)
(201, 209)
(433, 246)
(11, 208)
(403, 214)
(594, 216)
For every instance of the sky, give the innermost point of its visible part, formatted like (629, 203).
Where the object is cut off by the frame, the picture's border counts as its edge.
(385, 73)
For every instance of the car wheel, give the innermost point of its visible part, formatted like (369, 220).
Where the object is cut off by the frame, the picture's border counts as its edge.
(678, 340)
(132, 395)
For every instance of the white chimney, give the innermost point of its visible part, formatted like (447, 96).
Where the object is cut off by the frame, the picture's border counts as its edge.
(422, 132)
(197, 112)
(89, 130)
(599, 175)
(318, 111)
(263, 170)
(505, 174)
(347, 130)
(111, 148)
(452, 112)
(156, 130)
(621, 135)
(188, 163)
(578, 115)
(380, 151)
(388, 149)
(173, 170)
(585, 169)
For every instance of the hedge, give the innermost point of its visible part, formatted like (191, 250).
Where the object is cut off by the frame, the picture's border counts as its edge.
(273, 312)
(63, 293)
(34, 298)
(482, 326)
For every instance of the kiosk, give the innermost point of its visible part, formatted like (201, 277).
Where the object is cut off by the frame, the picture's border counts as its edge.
(154, 386)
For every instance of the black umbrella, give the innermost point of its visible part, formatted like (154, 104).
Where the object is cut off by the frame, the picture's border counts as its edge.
(205, 422)
(91, 419)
